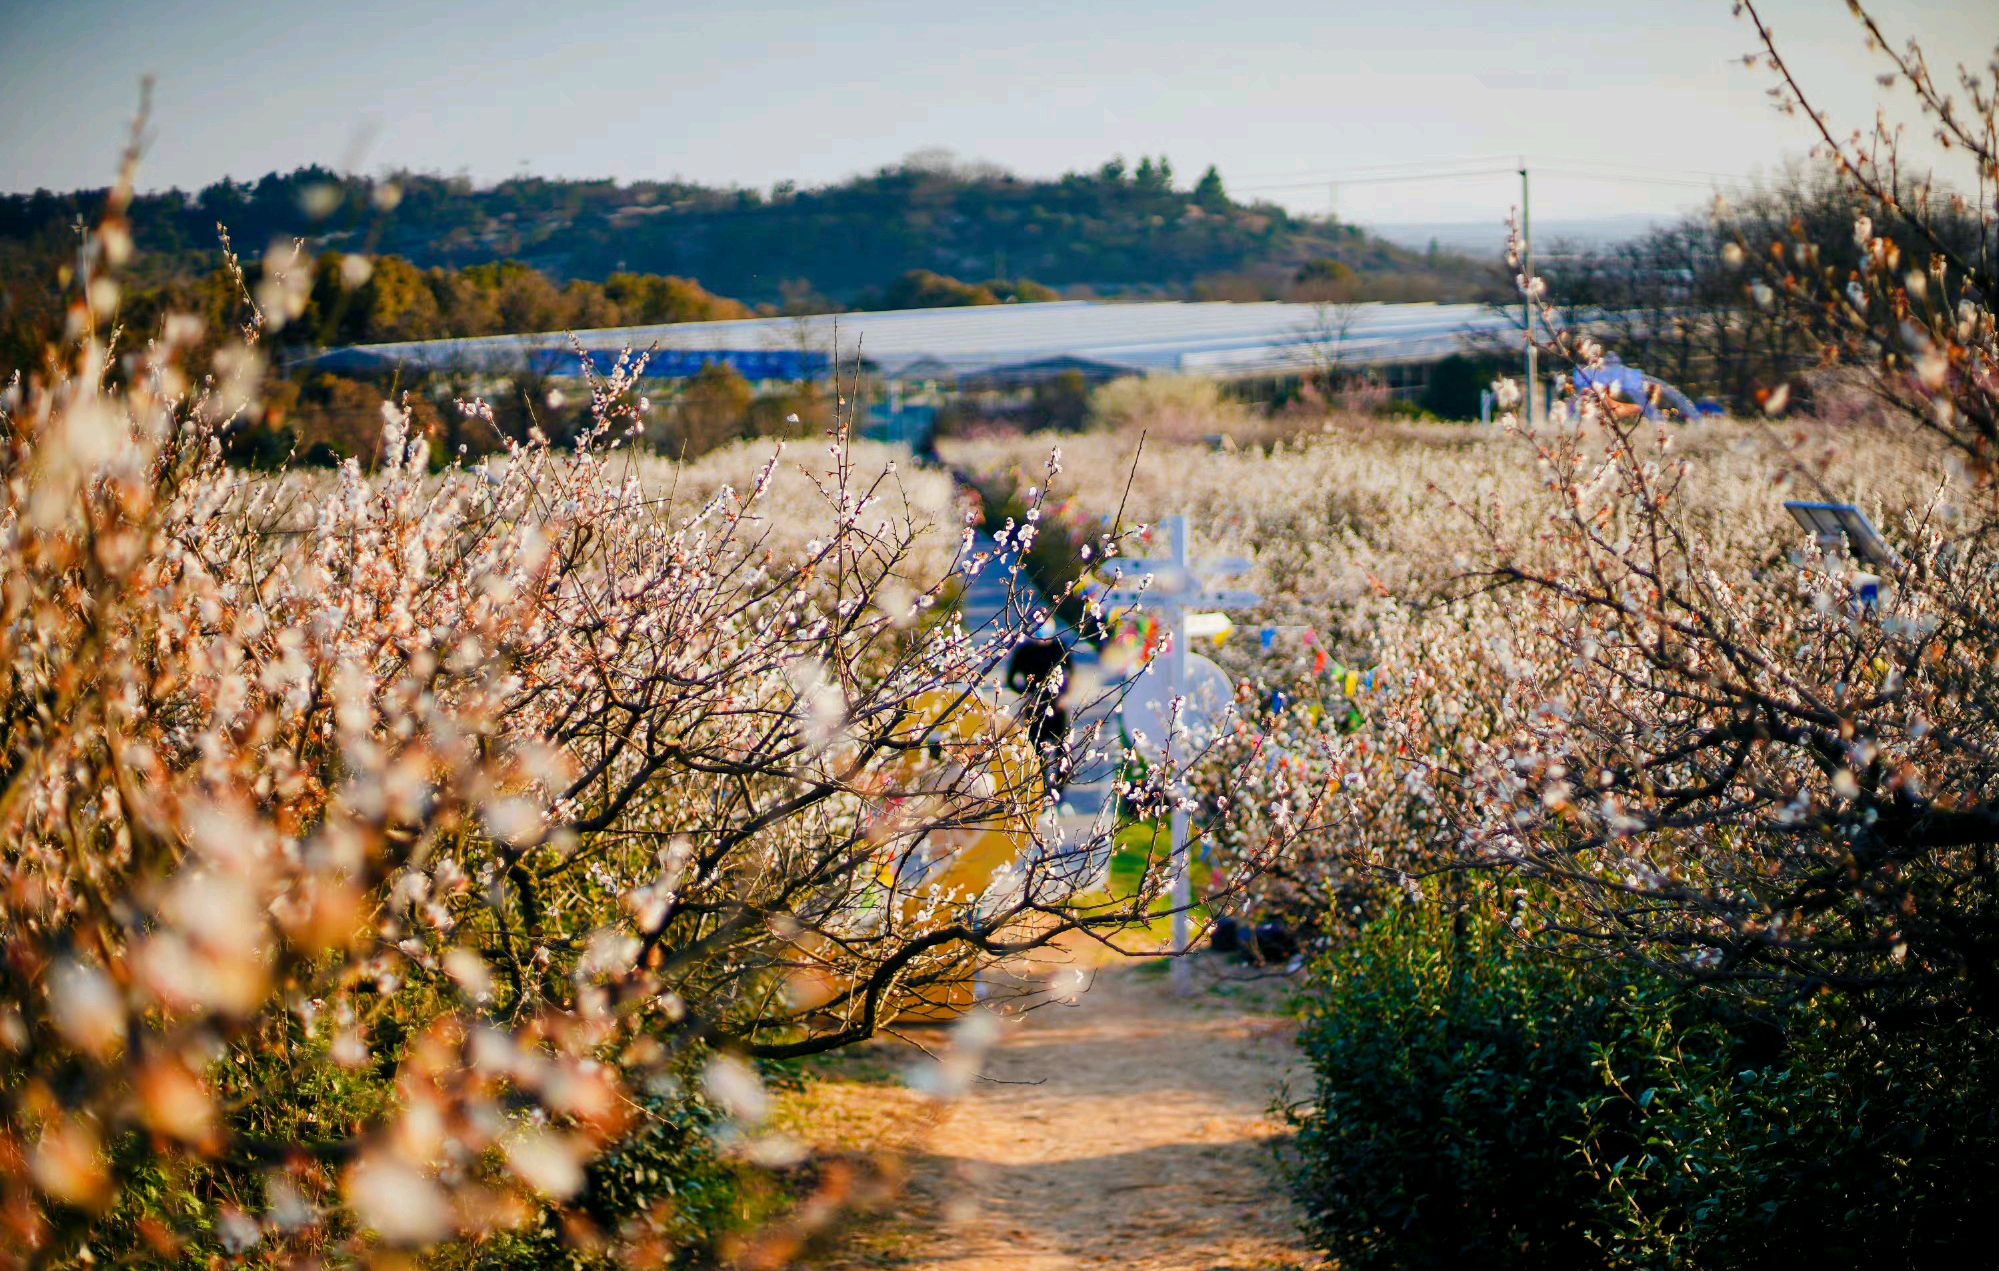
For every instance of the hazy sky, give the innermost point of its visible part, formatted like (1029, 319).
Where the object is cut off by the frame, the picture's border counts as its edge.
(1283, 95)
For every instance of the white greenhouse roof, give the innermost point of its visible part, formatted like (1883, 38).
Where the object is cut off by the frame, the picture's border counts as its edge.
(1022, 341)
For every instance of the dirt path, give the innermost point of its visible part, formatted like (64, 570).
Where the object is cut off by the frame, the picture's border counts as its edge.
(1142, 1142)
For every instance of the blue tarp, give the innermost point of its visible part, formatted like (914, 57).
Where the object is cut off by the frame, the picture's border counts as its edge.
(1614, 377)
(678, 364)
(1633, 385)
(790, 365)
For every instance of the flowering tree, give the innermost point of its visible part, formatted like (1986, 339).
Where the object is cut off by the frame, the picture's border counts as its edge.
(1738, 761)
(1909, 300)
(383, 847)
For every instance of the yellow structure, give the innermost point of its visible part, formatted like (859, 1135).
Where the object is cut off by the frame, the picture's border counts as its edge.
(956, 807)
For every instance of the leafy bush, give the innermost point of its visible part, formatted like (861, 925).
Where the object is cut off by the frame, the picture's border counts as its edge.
(1168, 407)
(1404, 408)
(665, 1188)
(928, 289)
(1480, 1097)
(711, 409)
(1449, 1093)
(1061, 403)
(1456, 382)
(663, 1191)
(1850, 1148)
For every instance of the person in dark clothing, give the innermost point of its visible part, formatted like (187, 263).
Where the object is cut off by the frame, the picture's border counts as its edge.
(1038, 670)
(924, 449)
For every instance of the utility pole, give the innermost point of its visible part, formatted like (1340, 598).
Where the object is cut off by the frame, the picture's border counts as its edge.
(1527, 297)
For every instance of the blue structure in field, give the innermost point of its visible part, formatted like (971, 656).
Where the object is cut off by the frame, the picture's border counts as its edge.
(680, 364)
(1633, 385)
(790, 365)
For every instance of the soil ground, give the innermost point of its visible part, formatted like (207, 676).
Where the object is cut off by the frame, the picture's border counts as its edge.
(1131, 1129)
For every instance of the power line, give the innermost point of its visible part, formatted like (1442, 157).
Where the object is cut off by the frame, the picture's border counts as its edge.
(1374, 180)
(1633, 178)
(1588, 170)
(1483, 160)
(1387, 167)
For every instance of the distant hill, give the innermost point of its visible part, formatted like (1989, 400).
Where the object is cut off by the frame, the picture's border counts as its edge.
(1114, 231)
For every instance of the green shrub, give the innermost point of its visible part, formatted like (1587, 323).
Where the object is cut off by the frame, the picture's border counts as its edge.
(1405, 408)
(1449, 1095)
(1455, 383)
(665, 1182)
(1480, 1098)
(1849, 1148)
(1168, 407)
